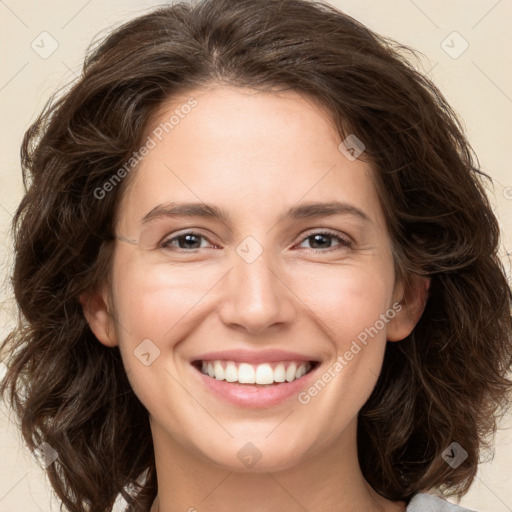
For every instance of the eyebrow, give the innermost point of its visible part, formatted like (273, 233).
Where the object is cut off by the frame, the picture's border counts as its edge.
(303, 211)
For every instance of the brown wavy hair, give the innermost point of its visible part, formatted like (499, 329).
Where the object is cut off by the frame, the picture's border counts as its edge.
(447, 381)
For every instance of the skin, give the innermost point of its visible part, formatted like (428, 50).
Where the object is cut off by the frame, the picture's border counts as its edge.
(254, 155)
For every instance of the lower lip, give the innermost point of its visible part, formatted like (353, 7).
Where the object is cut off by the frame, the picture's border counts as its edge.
(252, 396)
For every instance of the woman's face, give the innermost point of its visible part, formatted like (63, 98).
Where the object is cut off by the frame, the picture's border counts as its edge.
(298, 269)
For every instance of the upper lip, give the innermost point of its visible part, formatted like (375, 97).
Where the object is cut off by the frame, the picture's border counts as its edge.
(254, 356)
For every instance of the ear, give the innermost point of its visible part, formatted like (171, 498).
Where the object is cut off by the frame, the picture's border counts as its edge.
(98, 316)
(412, 298)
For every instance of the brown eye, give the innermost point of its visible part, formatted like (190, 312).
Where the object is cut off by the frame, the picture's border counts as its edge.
(189, 240)
(322, 240)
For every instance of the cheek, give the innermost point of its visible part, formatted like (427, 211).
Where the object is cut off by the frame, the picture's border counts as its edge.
(346, 298)
(349, 303)
(155, 300)
(161, 303)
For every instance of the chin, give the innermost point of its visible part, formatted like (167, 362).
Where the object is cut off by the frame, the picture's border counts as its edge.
(253, 457)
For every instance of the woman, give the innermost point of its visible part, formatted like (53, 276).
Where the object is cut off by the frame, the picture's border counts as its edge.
(338, 339)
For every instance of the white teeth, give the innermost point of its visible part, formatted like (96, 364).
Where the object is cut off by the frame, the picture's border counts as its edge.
(262, 374)
(231, 374)
(246, 374)
(218, 370)
(291, 372)
(279, 373)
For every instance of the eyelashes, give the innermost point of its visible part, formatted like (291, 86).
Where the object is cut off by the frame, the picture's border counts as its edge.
(166, 244)
(344, 242)
(189, 236)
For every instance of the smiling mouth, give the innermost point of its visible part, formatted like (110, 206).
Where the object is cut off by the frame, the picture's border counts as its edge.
(260, 375)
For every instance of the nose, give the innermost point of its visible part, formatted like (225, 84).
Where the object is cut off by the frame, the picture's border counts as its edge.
(256, 297)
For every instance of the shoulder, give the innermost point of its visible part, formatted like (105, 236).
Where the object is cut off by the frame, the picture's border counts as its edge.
(424, 502)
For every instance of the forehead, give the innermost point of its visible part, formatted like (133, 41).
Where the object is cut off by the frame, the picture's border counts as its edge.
(247, 150)
(239, 122)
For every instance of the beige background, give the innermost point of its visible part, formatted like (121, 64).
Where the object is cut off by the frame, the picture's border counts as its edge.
(478, 83)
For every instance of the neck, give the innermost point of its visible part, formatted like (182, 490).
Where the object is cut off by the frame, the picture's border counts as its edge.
(330, 479)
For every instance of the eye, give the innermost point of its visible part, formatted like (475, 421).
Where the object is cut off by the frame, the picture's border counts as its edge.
(321, 240)
(189, 240)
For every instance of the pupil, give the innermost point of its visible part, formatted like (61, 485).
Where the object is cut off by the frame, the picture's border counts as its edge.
(316, 239)
(189, 239)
